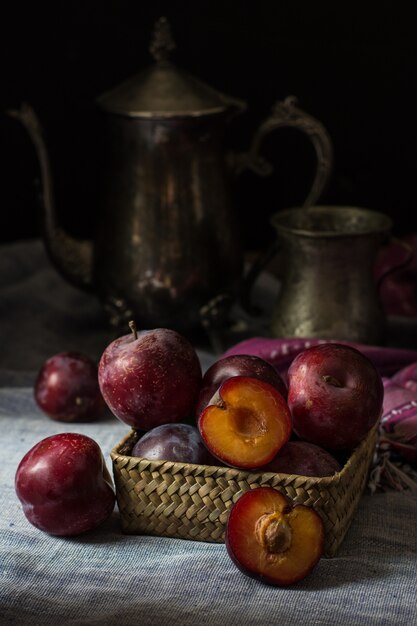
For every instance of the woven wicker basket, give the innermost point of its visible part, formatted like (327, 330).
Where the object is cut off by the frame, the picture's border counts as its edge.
(192, 501)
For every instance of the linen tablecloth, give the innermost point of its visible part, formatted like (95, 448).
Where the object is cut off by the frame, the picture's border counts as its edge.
(104, 577)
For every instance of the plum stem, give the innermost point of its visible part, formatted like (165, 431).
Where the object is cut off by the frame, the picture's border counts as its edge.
(133, 328)
(331, 380)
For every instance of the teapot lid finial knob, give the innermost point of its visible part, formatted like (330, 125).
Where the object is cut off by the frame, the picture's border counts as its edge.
(162, 42)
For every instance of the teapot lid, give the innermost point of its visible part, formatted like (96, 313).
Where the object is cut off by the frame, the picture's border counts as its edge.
(163, 90)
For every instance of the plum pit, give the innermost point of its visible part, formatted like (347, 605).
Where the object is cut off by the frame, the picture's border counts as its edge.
(273, 533)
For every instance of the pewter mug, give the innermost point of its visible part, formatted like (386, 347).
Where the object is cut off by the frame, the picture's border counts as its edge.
(328, 288)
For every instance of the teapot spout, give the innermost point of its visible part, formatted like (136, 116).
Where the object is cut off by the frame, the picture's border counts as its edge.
(73, 258)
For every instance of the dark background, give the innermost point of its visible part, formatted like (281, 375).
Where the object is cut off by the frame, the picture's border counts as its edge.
(353, 65)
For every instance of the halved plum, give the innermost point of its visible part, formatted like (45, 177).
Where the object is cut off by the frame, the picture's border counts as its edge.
(237, 365)
(273, 540)
(246, 423)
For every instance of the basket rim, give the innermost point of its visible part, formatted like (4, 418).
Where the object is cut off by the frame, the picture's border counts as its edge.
(237, 474)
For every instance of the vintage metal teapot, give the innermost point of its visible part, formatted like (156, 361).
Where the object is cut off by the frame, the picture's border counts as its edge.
(167, 248)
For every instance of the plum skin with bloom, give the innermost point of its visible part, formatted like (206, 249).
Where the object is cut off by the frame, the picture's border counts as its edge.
(67, 390)
(173, 442)
(64, 485)
(150, 378)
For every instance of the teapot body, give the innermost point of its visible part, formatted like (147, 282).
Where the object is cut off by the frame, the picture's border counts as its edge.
(167, 248)
(167, 240)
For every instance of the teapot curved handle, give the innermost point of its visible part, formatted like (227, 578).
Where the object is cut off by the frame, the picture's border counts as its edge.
(286, 114)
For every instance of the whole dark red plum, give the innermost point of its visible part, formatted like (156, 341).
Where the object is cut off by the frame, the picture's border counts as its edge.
(303, 458)
(335, 395)
(150, 378)
(64, 485)
(67, 390)
(174, 442)
(237, 365)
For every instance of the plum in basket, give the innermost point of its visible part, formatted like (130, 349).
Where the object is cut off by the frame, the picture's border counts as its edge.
(173, 442)
(303, 458)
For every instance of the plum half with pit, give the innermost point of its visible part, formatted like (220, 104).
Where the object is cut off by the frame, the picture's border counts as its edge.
(64, 485)
(246, 423)
(304, 459)
(173, 442)
(67, 390)
(273, 540)
(237, 365)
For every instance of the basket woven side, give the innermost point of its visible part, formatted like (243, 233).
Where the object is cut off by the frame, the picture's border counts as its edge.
(342, 497)
(193, 501)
